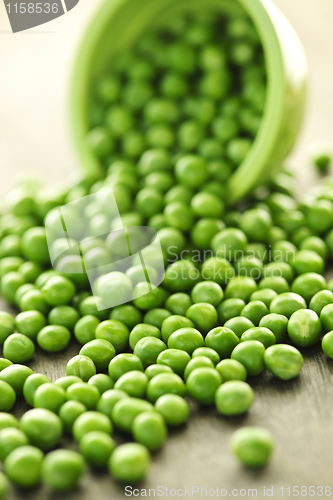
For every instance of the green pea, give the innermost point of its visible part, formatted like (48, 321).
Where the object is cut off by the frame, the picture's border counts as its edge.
(42, 427)
(124, 363)
(126, 410)
(304, 328)
(7, 396)
(4, 363)
(197, 362)
(115, 332)
(4, 486)
(204, 316)
(255, 223)
(277, 323)
(15, 376)
(8, 420)
(7, 326)
(87, 394)
(206, 352)
(276, 283)
(173, 408)
(18, 348)
(287, 303)
(320, 300)
(326, 317)
(62, 469)
(234, 397)
(33, 300)
(207, 292)
(252, 446)
(327, 344)
(284, 361)
(180, 276)
(186, 339)
(133, 383)
(67, 381)
(100, 352)
(251, 355)
(279, 269)
(31, 385)
(58, 291)
(315, 244)
(53, 338)
(85, 329)
(173, 323)
(10, 283)
(263, 335)
(241, 287)
(94, 306)
(129, 463)
(23, 466)
(11, 439)
(308, 284)
(202, 384)
(218, 270)
(69, 412)
(148, 350)
(191, 171)
(81, 366)
(176, 359)
(30, 271)
(230, 369)
(29, 323)
(254, 311)
(165, 383)
(308, 261)
(319, 215)
(155, 317)
(49, 396)
(150, 430)
(96, 448)
(222, 340)
(126, 314)
(239, 325)
(153, 370)
(265, 295)
(91, 421)
(102, 382)
(141, 331)
(230, 308)
(229, 243)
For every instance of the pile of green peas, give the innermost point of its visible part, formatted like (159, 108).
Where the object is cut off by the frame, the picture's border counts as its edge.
(245, 292)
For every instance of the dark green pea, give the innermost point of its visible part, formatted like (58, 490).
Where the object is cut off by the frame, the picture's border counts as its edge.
(278, 324)
(284, 361)
(304, 328)
(222, 340)
(176, 359)
(251, 355)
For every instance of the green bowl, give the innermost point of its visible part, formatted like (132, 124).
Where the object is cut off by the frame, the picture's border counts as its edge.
(118, 23)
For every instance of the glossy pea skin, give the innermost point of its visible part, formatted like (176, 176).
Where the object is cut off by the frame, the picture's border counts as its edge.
(176, 359)
(320, 300)
(100, 351)
(287, 303)
(129, 463)
(229, 309)
(326, 317)
(69, 412)
(149, 429)
(58, 291)
(85, 329)
(10, 439)
(203, 315)
(126, 410)
(284, 361)
(308, 284)
(173, 323)
(18, 348)
(304, 328)
(134, 383)
(53, 338)
(153, 370)
(148, 350)
(15, 376)
(102, 382)
(252, 446)
(62, 469)
(165, 383)
(251, 355)
(91, 421)
(23, 466)
(67, 381)
(96, 448)
(82, 367)
(29, 323)
(8, 420)
(49, 396)
(233, 398)
(87, 394)
(4, 363)
(124, 363)
(263, 335)
(42, 427)
(7, 396)
(265, 295)
(108, 399)
(241, 287)
(254, 311)
(115, 332)
(230, 369)
(186, 339)
(239, 325)
(66, 316)
(207, 352)
(278, 324)
(31, 385)
(143, 330)
(202, 384)
(173, 408)
(222, 340)
(197, 362)
(327, 344)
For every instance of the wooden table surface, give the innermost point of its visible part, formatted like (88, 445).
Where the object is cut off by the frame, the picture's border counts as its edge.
(299, 413)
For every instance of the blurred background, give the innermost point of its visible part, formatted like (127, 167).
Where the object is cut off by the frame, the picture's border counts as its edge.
(35, 71)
